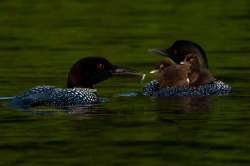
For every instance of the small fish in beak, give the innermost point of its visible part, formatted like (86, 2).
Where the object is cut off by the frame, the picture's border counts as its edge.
(154, 71)
(122, 71)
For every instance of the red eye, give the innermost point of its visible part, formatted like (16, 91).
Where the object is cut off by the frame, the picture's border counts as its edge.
(174, 51)
(100, 66)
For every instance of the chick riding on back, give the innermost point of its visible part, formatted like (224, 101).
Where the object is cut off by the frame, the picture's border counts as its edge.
(191, 79)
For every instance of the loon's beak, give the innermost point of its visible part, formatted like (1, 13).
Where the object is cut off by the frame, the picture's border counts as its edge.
(122, 71)
(161, 51)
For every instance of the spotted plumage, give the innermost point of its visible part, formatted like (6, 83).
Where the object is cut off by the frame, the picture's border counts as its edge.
(215, 88)
(52, 96)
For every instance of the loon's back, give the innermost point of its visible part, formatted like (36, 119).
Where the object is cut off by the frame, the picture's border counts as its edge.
(214, 88)
(52, 96)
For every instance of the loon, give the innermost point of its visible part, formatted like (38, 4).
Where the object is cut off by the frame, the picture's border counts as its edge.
(82, 77)
(180, 49)
(185, 74)
(170, 74)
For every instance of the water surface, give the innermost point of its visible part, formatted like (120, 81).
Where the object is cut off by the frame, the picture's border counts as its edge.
(40, 40)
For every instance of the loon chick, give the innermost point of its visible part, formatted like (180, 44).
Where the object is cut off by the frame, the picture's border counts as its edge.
(188, 73)
(180, 49)
(170, 74)
(189, 78)
(198, 75)
(84, 74)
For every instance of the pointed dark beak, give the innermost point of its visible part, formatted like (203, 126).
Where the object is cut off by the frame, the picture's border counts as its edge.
(161, 51)
(127, 72)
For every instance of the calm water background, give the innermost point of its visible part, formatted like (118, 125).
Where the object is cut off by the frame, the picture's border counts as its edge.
(41, 39)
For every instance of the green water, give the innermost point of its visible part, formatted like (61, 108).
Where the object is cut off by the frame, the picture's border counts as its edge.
(40, 40)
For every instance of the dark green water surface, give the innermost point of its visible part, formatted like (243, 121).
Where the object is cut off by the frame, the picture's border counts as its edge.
(41, 39)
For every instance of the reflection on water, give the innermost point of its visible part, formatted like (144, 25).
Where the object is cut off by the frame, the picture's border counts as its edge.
(80, 112)
(40, 40)
(184, 104)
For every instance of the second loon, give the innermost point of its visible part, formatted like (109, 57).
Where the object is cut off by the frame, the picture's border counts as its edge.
(186, 75)
(82, 77)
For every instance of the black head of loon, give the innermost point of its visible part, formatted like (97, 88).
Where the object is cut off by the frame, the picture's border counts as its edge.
(88, 71)
(180, 49)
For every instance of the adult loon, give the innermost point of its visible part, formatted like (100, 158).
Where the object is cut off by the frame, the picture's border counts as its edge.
(186, 75)
(82, 77)
(180, 49)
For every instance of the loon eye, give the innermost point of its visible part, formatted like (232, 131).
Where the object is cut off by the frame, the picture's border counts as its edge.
(100, 66)
(174, 51)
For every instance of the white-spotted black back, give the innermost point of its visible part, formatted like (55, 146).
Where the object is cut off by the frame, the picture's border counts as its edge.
(215, 88)
(48, 95)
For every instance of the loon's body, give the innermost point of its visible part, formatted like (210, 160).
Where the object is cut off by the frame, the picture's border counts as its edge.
(186, 75)
(53, 96)
(82, 77)
(214, 88)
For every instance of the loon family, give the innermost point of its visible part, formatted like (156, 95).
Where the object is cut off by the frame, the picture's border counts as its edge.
(183, 73)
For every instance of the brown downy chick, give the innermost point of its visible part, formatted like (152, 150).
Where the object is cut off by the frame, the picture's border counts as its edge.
(199, 74)
(171, 74)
